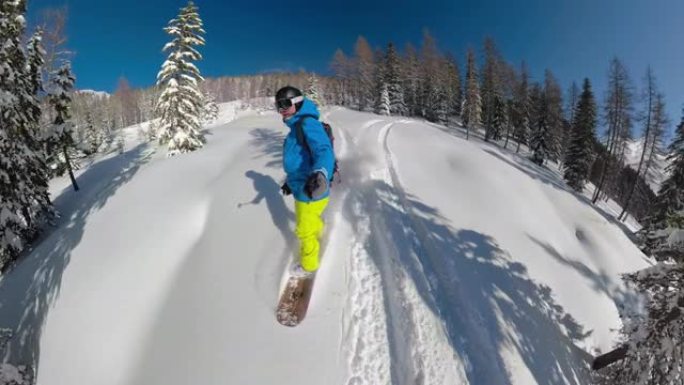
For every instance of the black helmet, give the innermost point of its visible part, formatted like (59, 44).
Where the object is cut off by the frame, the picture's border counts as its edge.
(288, 95)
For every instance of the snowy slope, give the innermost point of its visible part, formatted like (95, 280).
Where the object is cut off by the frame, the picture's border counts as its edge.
(446, 262)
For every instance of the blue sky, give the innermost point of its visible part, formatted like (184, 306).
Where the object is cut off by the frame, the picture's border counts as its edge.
(573, 38)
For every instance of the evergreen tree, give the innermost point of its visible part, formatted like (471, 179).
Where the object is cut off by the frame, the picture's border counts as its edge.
(521, 108)
(93, 140)
(568, 118)
(379, 83)
(573, 99)
(579, 156)
(24, 200)
(539, 135)
(411, 80)
(180, 103)
(393, 80)
(62, 136)
(39, 206)
(472, 104)
(663, 236)
(554, 104)
(13, 227)
(312, 91)
(491, 90)
(384, 106)
(546, 120)
(500, 117)
(454, 90)
(210, 109)
(652, 353)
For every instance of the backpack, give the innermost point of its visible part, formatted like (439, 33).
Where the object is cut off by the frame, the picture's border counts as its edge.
(299, 131)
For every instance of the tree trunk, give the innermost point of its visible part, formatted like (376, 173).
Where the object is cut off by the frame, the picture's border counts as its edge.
(508, 135)
(611, 147)
(614, 355)
(71, 172)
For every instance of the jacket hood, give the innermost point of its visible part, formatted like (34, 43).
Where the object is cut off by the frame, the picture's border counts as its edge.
(308, 109)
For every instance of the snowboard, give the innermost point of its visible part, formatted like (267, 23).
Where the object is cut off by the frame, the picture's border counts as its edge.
(294, 301)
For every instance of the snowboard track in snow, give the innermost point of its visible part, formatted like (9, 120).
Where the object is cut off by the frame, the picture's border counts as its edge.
(388, 329)
(406, 258)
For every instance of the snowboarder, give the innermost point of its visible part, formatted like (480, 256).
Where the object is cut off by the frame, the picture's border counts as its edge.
(308, 161)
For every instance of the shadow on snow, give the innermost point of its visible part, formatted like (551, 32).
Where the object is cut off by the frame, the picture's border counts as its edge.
(485, 299)
(30, 288)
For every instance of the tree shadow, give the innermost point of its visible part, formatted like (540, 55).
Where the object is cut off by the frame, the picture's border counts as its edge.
(548, 177)
(269, 142)
(31, 287)
(484, 297)
(626, 301)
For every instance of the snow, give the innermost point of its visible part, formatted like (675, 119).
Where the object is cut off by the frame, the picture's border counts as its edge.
(101, 94)
(446, 262)
(656, 173)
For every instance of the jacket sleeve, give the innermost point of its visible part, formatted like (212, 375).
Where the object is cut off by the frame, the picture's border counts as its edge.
(321, 148)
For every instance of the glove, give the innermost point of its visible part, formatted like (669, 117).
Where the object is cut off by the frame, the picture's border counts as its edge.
(285, 189)
(316, 185)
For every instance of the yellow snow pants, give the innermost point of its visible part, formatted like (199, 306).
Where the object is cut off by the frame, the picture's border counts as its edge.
(309, 229)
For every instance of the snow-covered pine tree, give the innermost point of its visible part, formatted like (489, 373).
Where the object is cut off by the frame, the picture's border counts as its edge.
(441, 100)
(313, 90)
(180, 103)
(500, 117)
(61, 141)
(521, 108)
(454, 90)
(580, 152)
(209, 108)
(617, 115)
(554, 103)
(379, 82)
(539, 136)
(663, 236)
(92, 135)
(384, 106)
(39, 206)
(393, 79)
(567, 119)
(13, 227)
(490, 89)
(411, 80)
(472, 104)
(652, 353)
(23, 174)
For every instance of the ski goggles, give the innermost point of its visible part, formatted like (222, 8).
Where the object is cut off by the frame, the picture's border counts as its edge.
(284, 104)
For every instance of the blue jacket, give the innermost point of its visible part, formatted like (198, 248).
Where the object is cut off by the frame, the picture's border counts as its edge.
(297, 162)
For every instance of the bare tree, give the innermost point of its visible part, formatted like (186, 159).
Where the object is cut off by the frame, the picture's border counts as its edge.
(617, 115)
